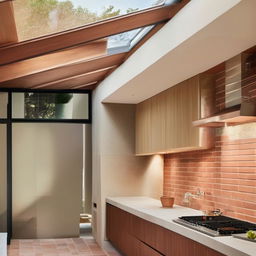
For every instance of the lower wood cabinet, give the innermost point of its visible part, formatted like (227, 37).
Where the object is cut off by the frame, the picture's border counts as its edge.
(134, 236)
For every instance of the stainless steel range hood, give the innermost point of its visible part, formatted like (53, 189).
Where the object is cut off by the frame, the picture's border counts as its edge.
(243, 113)
(238, 109)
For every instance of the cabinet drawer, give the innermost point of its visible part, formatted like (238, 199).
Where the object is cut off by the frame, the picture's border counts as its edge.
(150, 233)
(145, 250)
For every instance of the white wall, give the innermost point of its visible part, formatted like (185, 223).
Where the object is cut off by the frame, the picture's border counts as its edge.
(3, 244)
(116, 170)
(88, 168)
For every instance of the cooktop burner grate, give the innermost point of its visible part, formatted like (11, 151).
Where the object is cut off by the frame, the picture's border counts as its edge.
(216, 225)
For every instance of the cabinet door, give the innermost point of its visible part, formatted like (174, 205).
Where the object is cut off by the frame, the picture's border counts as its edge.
(143, 127)
(149, 233)
(178, 245)
(145, 250)
(211, 252)
(183, 107)
(158, 119)
(118, 230)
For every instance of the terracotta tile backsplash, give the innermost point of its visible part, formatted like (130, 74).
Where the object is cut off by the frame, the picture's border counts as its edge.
(226, 173)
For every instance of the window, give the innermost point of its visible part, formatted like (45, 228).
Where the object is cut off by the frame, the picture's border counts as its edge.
(35, 18)
(3, 105)
(124, 42)
(50, 106)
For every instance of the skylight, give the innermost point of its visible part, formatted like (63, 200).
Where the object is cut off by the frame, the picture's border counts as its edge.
(124, 42)
(36, 18)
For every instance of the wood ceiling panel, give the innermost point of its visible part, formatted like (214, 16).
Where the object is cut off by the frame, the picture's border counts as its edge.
(65, 71)
(89, 86)
(76, 81)
(53, 60)
(8, 32)
(36, 47)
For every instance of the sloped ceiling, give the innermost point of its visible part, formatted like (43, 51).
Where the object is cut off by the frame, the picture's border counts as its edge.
(74, 59)
(202, 35)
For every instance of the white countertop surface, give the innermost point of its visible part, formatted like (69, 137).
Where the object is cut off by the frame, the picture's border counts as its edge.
(151, 210)
(3, 244)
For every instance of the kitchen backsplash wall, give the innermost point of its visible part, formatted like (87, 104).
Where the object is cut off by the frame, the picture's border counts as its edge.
(226, 173)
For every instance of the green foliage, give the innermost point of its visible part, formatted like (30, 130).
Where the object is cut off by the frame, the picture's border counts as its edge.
(63, 98)
(129, 10)
(35, 18)
(39, 106)
(43, 105)
(109, 12)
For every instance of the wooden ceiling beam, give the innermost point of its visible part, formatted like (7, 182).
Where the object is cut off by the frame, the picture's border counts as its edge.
(52, 60)
(65, 71)
(89, 85)
(8, 31)
(88, 33)
(69, 80)
(3, 1)
(76, 81)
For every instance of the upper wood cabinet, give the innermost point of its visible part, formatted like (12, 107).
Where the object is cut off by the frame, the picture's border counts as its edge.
(164, 122)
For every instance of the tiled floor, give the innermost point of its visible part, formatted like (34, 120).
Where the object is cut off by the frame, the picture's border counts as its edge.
(55, 247)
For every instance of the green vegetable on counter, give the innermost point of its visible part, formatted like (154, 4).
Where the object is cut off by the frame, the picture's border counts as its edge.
(251, 234)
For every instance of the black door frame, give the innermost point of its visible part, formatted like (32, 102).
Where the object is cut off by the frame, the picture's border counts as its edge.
(9, 120)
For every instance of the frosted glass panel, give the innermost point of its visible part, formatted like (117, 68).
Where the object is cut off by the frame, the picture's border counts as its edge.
(3, 104)
(47, 174)
(3, 181)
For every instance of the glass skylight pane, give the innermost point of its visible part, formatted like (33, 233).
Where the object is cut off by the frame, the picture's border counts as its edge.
(125, 41)
(35, 18)
(121, 42)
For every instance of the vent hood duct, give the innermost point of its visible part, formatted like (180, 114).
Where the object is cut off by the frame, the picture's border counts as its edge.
(243, 113)
(238, 109)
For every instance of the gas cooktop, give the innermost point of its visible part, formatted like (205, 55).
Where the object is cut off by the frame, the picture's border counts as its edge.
(216, 225)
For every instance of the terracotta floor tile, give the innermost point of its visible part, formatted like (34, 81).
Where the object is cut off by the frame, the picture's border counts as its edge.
(55, 247)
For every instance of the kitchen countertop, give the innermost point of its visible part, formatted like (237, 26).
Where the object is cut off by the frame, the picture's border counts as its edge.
(151, 210)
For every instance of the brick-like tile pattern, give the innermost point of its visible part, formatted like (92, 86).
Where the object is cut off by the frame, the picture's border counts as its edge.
(55, 247)
(226, 173)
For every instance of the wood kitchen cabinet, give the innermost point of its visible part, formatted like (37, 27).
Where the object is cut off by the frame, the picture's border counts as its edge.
(143, 127)
(121, 234)
(118, 226)
(134, 236)
(164, 122)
